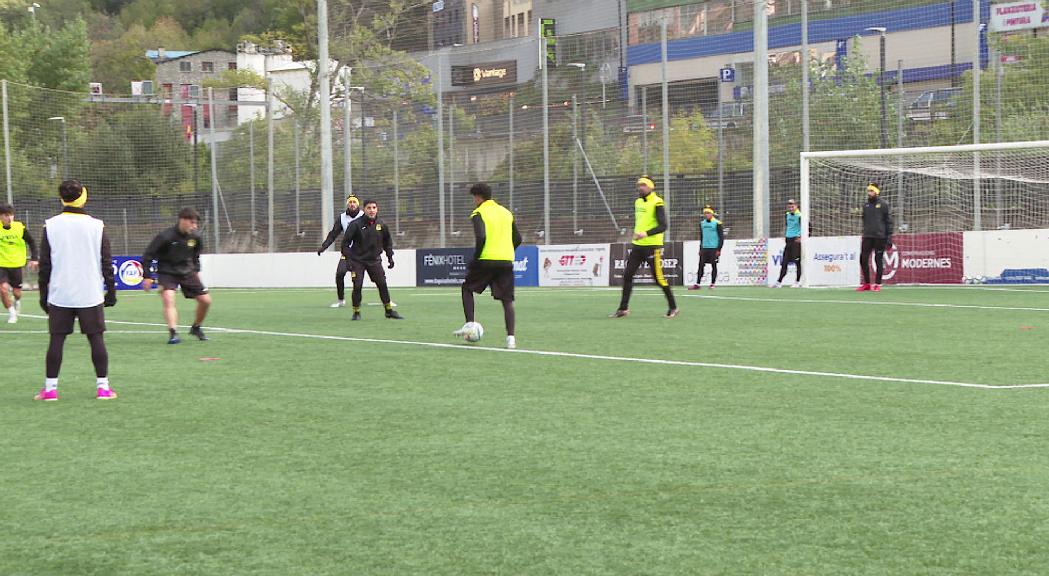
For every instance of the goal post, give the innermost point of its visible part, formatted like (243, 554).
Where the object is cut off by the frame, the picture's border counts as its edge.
(935, 194)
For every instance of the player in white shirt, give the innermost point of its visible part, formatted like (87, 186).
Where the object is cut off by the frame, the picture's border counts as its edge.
(75, 263)
(342, 223)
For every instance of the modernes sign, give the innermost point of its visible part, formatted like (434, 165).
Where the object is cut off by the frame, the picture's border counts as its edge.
(502, 72)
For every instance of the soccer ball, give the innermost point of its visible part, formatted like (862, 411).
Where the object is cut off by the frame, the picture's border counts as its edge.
(473, 331)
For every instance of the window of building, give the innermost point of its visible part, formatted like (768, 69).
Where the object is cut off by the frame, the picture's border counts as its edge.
(528, 22)
(231, 66)
(207, 67)
(506, 28)
(185, 66)
(521, 25)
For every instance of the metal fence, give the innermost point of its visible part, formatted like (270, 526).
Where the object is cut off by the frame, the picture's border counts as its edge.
(416, 152)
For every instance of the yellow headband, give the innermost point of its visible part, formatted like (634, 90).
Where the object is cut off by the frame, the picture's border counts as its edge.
(873, 188)
(353, 197)
(708, 210)
(647, 182)
(80, 200)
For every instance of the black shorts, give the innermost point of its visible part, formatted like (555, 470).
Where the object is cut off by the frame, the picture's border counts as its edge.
(499, 274)
(708, 256)
(792, 250)
(875, 244)
(373, 269)
(12, 276)
(60, 320)
(190, 284)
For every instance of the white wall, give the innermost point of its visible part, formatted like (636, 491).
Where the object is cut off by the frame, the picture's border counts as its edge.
(988, 253)
(291, 270)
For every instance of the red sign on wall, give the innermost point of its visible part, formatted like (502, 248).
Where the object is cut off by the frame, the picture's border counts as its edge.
(925, 259)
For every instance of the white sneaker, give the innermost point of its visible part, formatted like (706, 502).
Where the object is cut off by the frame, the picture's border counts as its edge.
(339, 304)
(12, 316)
(777, 285)
(18, 306)
(511, 342)
(796, 285)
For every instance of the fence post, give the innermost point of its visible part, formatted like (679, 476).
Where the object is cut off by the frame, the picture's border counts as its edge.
(7, 146)
(269, 165)
(214, 169)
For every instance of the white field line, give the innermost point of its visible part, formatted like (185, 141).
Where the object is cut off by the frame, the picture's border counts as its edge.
(860, 302)
(3, 332)
(687, 363)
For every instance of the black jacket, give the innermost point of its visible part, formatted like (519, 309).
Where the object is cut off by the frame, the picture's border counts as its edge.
(877, 220)
(177, 254)
(366, 239)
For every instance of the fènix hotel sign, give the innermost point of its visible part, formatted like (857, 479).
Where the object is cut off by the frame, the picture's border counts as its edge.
(1011, 16)
(483, 74)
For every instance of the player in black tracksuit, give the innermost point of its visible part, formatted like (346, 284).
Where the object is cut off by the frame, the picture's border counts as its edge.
(362, 244)
(177, 252)
(877, 236)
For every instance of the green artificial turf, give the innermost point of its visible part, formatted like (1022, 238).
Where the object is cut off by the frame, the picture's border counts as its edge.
(294, 455)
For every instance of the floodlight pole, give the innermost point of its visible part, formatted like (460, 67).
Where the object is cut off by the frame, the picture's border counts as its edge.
(546, 137)
(977, 196)
(666, 125)
(327, 183)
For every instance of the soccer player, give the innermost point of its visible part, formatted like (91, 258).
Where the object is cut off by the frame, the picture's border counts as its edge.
(711, 240)
(177, 252)
(792, 250)
(877, 236)
(13, 240)
(353, 212)
(75, 263)
(363, 242)
(496, 237)
(650, 221)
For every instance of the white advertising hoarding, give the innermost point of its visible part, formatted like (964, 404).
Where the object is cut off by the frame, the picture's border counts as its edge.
(574, 265)
(742, 263)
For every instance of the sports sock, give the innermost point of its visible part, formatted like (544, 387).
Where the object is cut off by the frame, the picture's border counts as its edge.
(50, 384)
(195, 327)
(102, 383)
(171, 332)
(388, 306)
(356, 308)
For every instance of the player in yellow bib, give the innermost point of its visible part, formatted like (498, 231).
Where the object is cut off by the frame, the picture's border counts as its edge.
(650, 221)
(14, 237)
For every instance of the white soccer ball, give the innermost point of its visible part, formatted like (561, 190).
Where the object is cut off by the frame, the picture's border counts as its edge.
(473, 332)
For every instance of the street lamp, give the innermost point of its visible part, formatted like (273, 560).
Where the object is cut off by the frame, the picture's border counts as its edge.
(881, 82)
(65, 147)
(32, 9)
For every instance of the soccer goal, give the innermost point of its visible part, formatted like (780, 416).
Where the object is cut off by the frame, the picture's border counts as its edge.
(939, 199)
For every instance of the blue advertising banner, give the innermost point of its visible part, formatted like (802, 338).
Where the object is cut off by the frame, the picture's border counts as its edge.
(526, 266)
(127, 271)
(441, 266)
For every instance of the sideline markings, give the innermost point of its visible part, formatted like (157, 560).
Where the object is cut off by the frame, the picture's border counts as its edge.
(871, 302)
(687, 363)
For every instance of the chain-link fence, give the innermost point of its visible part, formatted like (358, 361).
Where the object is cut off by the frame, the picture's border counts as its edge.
(882, 74)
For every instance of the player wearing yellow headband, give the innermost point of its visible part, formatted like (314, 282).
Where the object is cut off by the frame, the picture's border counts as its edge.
(877, 236)
(650, 221)
(76, 283)
(711, 241)
(342, 223)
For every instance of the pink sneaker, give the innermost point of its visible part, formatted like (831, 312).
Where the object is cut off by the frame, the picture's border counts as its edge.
(106, 394)
(863, 288)
(876, 288)
(694, 287)
(46, 396)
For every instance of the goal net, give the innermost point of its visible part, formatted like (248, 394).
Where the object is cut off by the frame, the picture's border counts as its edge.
(961, 214)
